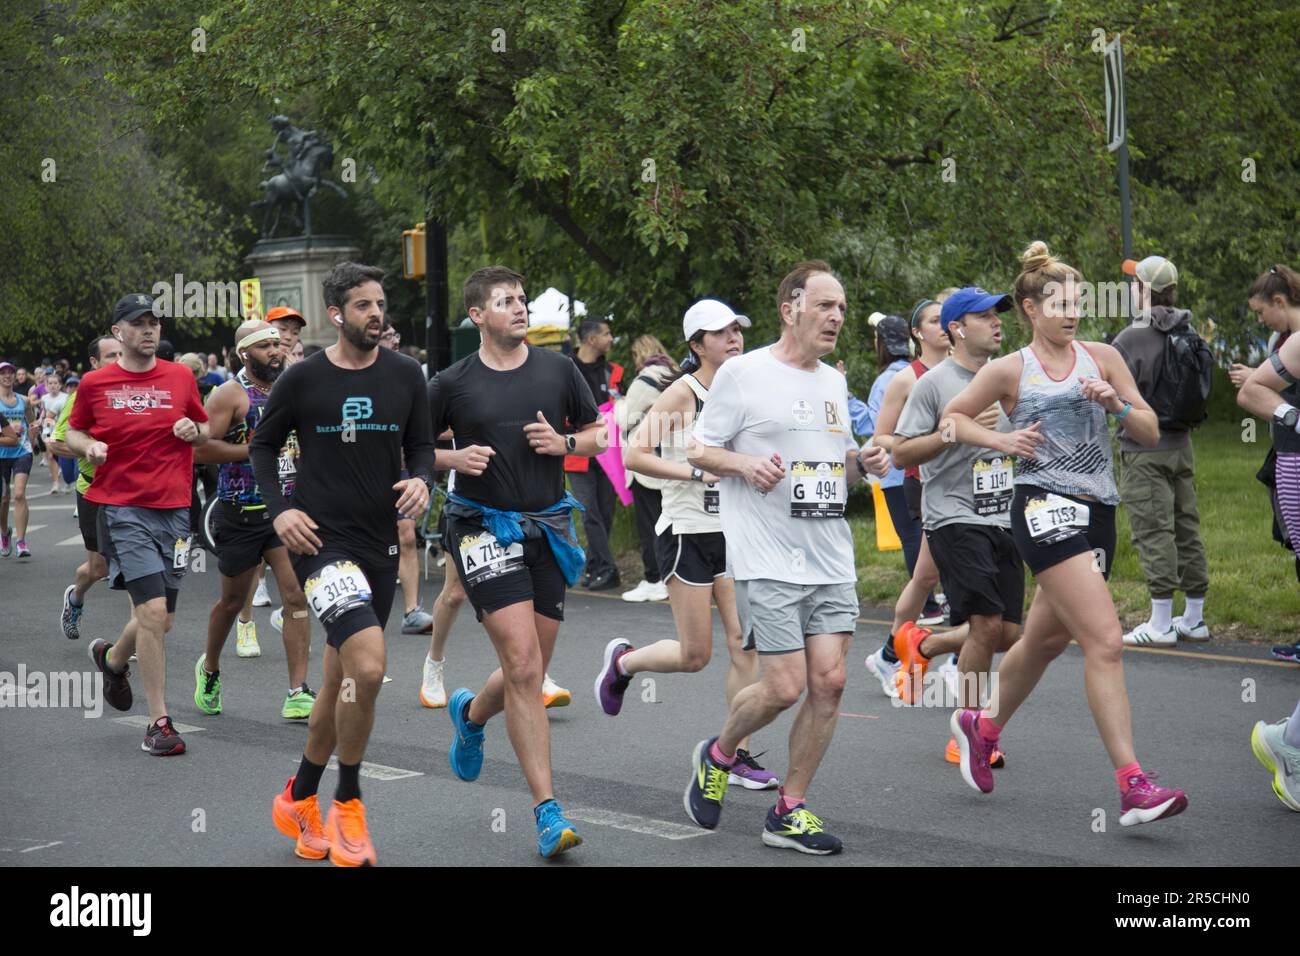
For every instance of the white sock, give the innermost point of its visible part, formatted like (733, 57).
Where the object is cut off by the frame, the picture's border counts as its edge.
(1194, 613)
(1291, 735)
(1162, 613)
(432, 661)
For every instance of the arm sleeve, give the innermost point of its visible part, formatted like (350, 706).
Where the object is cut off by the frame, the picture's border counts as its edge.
(582, 404)
(417, 442)
(919, 414)
(723, 417)
(272, 431)
(438, 410)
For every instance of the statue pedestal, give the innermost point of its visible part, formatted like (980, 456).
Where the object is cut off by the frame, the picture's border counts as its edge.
(292, 270)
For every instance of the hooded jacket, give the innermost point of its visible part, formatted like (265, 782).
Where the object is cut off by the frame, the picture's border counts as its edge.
(1143, 348)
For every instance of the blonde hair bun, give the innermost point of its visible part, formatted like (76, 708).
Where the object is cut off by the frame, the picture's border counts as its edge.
(1036, 257)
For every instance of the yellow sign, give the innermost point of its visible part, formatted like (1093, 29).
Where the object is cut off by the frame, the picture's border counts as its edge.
(250, 298)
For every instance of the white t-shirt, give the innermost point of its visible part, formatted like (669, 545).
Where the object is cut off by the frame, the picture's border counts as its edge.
(53, 405)
(796, 532)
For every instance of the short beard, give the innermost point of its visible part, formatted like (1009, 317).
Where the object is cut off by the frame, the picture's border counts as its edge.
(263, 371)
(357, 337)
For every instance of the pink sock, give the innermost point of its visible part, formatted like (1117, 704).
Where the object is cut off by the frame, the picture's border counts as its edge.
(785, 804)
(1123, 773)
(987, 728)
(719, 757)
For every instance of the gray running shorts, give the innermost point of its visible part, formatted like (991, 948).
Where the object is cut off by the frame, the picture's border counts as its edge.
(783, 615)
(138, 542)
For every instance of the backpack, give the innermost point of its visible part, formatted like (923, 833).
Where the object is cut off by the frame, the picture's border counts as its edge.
(1186, 373)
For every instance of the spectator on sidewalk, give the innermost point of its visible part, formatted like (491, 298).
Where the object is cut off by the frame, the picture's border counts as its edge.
(1158, 485)
(590, 484)
(654, 370)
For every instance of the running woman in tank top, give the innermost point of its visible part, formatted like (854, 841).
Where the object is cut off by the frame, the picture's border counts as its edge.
(901, 663)
(1058, 393)
(691, 549)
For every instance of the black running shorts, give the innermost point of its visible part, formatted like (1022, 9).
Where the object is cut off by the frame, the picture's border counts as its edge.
(912, 495)
(694, 559)
(87, 519)
(243, 538)
(496, 577)
(380, 578)
(980, 570)
(1098, 537)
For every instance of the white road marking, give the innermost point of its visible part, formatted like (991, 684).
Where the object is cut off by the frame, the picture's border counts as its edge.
(142, 720)
(68, 508)
(43, 846)
(377, 771)
(627, 821)
(68, 542)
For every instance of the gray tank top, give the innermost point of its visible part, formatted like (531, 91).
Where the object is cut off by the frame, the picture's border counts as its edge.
(1075, 456)
(689, 507)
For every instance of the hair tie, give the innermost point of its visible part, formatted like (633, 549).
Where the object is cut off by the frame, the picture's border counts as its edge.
(917, 311)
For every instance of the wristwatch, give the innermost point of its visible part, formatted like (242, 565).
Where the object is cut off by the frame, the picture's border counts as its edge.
(1288, 418)
(571, 443)
(697, 474)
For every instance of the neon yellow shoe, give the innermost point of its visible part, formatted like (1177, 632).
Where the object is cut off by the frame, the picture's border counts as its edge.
(246, 639)
(297, 706)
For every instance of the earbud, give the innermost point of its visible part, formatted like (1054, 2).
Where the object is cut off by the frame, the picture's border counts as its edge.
(119, 336)
(337, 321)
(961, 333)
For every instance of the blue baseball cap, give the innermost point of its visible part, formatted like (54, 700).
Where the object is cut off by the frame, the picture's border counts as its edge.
(971, 299)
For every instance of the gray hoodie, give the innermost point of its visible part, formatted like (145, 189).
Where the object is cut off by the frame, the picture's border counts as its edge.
(1143, 346)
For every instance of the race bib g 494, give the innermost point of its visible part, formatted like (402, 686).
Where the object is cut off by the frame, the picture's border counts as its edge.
(483, 558)
(1051, 518)
(818, 489)
(992, 483)
(335, 589)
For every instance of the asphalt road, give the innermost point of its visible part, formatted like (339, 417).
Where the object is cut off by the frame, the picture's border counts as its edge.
(79, 792)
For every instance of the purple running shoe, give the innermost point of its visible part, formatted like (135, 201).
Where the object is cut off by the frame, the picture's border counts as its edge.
(975, 768)
(1146, 802)
(747, 773)
(611, 682)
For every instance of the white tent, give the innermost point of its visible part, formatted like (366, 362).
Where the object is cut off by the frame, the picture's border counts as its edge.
(552, 308)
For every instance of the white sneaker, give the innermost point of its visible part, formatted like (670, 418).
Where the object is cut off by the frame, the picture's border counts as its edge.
(639, 593)
(553, 695)
(432, 693)
(951, 678)
(260, 597)
(246, 639)
(659, 591)
(883, 671)
(277, 620)
(1144, 635)
(1198, 633)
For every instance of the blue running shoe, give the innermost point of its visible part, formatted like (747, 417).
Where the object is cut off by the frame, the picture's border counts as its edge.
(466, 754)
(703, 797)
(555, 834)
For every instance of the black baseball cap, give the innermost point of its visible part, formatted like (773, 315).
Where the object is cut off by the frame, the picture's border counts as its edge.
(132, 306)
(893, 334)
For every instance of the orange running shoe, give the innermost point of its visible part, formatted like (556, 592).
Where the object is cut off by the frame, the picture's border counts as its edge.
(912, 664)
(952, 753)
(299, 820)
(349, 839)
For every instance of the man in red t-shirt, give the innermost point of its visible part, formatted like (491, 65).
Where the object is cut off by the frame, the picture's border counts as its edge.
(137, 420)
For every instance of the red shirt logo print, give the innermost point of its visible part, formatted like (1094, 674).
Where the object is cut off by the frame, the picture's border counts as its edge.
(138, 401)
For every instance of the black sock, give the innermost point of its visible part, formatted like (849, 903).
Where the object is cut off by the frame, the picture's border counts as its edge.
(537, 810)
(307, 782)
(887, 651)
(464, 713)
(349, 782)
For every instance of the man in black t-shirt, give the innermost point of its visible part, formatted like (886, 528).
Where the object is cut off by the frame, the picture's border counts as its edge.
(515, 412)
(356, 409)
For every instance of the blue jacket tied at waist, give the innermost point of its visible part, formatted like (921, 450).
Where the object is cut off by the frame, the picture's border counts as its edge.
(556, 521)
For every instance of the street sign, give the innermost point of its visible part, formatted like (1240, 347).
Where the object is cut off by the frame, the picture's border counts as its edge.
(250, 298)
(1115, 120)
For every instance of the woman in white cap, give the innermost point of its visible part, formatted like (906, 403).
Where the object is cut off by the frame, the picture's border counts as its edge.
(691, 549)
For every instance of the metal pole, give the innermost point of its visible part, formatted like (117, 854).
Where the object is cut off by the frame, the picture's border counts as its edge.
(1125, 214)
(437, 335)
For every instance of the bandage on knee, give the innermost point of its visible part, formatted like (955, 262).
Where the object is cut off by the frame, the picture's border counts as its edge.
(299, 615)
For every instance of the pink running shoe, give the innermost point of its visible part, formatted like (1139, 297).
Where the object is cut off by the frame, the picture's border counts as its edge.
(975, 768)
(1145, 802)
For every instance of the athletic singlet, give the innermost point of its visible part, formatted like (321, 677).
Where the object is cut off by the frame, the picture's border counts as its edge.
(689, 507)
(235, 481)
(920, 368)
(17, 415)
(1075, 456)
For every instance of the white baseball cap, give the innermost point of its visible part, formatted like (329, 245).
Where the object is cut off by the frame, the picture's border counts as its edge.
(710, 315)
(1155, 271)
